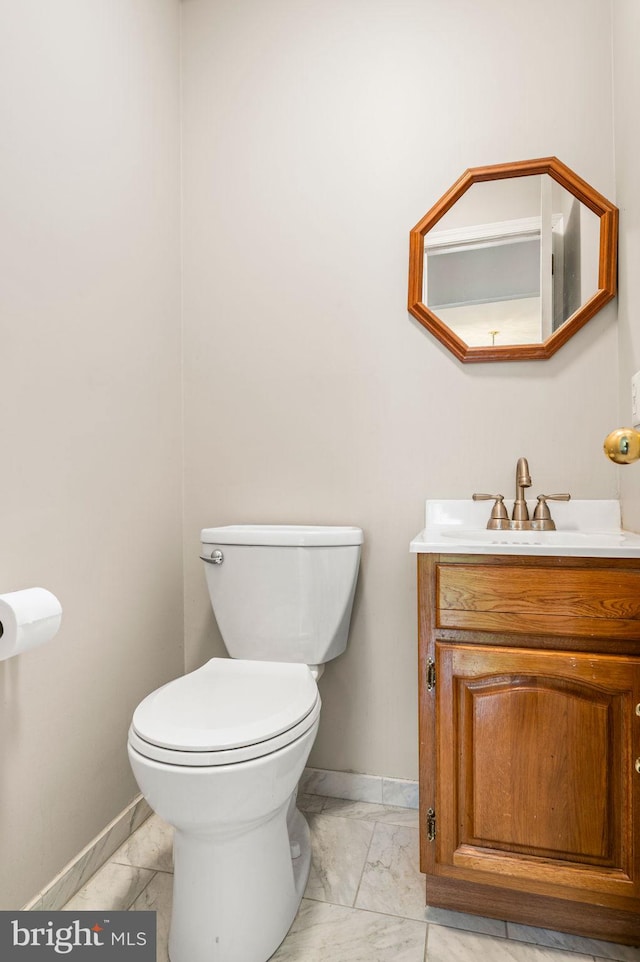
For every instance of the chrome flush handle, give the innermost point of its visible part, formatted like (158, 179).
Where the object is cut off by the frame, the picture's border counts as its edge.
(216, 558)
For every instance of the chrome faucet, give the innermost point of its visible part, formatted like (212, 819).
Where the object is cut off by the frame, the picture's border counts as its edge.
(520, 514)
(520, 521)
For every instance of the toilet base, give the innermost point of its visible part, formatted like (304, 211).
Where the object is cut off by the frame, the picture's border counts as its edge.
(254, 912)
(299, 835)
(236, 885)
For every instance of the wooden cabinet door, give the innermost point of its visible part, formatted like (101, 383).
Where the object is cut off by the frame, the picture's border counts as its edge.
(536, 784)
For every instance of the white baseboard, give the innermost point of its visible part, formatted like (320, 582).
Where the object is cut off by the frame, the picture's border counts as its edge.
(74, 875)
(377, 789)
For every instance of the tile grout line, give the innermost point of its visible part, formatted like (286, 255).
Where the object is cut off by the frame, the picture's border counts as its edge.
(564, 948)
(364, 864)
(563, 952)
(143, 889)
(149, 868)
(391, 915)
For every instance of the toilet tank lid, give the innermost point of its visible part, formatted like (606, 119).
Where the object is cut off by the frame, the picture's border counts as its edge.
(295, 535)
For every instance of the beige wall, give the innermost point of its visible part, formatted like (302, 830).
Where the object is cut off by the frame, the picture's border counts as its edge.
(626, 30)
(315, 136)
(90, 394)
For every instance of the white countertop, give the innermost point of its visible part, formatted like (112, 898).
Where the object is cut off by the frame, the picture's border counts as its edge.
(585, 529)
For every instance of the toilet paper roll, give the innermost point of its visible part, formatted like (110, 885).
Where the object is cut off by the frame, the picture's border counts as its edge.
(27, 618)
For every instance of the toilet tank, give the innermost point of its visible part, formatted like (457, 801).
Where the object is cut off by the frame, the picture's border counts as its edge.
(283, 592)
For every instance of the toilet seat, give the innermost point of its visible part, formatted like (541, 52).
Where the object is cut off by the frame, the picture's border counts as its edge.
(225, 712)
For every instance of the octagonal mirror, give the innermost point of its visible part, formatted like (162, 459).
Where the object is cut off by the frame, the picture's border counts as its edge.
(513, 260)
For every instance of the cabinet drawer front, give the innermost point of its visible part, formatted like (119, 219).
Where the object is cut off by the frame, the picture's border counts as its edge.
(554, 601)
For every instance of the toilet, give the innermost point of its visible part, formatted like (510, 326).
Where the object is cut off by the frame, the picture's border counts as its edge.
(218, 753)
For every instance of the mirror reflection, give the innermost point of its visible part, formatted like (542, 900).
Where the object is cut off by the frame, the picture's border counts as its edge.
(511, 261)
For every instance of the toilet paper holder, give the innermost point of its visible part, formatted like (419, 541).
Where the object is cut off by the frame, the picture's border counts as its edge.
(28, 618)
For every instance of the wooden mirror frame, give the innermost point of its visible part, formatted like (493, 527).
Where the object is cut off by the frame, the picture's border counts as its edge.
(607, 269)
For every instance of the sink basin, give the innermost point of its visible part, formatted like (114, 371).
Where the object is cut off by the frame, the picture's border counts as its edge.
(584, 529)
(568, 538)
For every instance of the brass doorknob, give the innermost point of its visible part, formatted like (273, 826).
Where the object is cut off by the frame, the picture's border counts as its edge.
(623, 445)
(638, 765)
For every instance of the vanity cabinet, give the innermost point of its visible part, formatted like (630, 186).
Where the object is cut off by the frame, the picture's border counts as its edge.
(530, 739)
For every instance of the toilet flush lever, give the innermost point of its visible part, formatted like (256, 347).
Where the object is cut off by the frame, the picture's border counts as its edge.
(216, 558)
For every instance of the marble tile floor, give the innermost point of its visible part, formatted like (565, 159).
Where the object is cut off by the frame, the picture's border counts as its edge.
(364, 901)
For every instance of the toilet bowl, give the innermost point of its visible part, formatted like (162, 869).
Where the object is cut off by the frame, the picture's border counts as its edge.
(218, 753)
(222, 767)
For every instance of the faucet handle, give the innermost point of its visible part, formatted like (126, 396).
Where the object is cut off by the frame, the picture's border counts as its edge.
(542, 512)
(498, 512)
